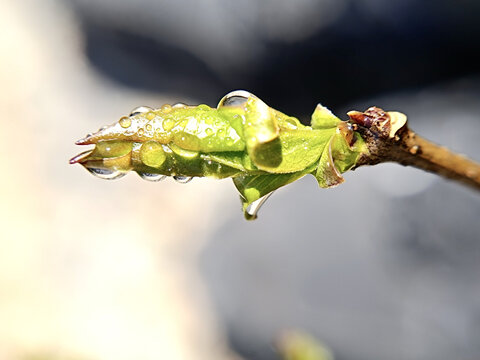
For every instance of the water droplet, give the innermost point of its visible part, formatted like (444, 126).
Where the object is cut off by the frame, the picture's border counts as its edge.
(151, 177)
(140, 132)
(125, 122)
(254, 207)
(235, 98)
(106, 174)
(208, 131)
(148, 127)
(166, 108)
(179, 105)
(182, 179)
(150, 115)
(229, 141)
(292, 122)
(203, 107)
(152, 154)
(140, 110)
(168, 124)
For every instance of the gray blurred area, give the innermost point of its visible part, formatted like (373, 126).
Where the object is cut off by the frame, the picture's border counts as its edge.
(386, 266)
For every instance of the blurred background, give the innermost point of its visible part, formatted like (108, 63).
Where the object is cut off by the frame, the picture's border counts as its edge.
(387, 266)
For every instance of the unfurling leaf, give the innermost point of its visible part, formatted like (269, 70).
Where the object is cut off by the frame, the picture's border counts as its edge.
(260, 148)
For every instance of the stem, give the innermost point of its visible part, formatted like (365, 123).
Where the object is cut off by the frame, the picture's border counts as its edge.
(409, 149)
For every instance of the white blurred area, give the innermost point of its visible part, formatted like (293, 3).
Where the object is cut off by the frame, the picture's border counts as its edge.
(89, 269)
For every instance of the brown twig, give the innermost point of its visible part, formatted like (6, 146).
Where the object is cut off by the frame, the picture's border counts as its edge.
(405, 147)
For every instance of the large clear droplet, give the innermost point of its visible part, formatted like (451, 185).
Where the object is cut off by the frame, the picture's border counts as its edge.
(106, 174)
(254, 207)
(235, 98)
(183, 179)
(151, 177)
(140, 110)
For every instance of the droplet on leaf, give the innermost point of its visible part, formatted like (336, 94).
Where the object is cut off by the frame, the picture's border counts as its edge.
(182, 179)
(235, 98)
(168, 124)
(179, 105)
(166, 108)
(106, 174)
(140, 110)
(125, 122)
(151, 177)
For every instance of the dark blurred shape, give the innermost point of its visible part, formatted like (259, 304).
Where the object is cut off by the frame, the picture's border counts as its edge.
(369, 47)
(146, 63)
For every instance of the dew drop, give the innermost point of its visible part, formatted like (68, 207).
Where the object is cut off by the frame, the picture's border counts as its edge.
(168, 124)
(179, 105)
(151, 177)
(150, 115)
(125, 122)
(209, 131)
(203, 107)
(182, 179)
(254, 207)
(140, 132)
(140, 110)
(106, 174)
(166, 108)
(235, 98)
(292, 122)
(148, 127)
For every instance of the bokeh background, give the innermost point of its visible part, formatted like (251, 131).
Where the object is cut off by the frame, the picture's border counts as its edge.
(386, 266)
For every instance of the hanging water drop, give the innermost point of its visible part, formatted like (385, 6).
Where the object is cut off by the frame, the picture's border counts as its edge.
(252, 210)
(151, 177)
(106, 174)
(140, 110)
(182, 179)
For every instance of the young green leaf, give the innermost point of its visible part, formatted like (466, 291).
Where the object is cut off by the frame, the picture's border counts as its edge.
(261, 148)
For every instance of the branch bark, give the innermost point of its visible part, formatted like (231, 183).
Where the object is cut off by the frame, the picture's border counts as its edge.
(407, 148)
